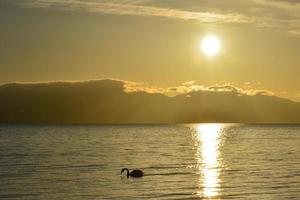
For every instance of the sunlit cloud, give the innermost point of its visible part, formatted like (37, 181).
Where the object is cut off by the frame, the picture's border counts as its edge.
(187, 88)
(228, 88)
(135, 8)
(265, 13)
(283, 15)
(130, 86)
(288, 5)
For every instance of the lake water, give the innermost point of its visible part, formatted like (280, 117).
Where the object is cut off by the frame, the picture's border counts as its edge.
(198, 161)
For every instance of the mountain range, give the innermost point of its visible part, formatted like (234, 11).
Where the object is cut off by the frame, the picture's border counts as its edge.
(107, 102)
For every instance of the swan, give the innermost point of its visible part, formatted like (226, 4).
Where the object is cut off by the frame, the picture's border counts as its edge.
(133, 173)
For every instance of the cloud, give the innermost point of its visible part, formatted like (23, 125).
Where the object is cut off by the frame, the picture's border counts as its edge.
(189, 87)
(130, 86)
(283, 15)
(289, 5)
(135, 8)
(278, 15)
(227, 88)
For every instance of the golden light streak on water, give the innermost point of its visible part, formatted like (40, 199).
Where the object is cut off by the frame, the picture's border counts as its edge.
(208, 136)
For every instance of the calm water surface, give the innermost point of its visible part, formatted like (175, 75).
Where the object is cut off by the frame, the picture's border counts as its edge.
(199, 161)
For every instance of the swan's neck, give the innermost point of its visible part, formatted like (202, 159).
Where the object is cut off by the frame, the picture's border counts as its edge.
(127, 172)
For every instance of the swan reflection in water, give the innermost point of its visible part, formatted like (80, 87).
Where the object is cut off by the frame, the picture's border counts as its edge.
(208, 157)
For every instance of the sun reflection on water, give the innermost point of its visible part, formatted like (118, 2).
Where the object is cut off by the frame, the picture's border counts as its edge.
(208, 136)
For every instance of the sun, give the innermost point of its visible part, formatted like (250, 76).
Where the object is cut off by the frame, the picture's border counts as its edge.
(210, 45)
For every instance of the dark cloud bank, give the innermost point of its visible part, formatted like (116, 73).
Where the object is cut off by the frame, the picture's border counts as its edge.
(105, 101)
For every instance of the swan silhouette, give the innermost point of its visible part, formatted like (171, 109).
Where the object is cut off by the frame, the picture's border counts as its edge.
(133, 173)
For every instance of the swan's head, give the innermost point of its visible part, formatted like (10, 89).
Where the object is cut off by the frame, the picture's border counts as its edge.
(124, 170)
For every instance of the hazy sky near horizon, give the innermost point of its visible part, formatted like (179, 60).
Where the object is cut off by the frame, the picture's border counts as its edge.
(153, 41)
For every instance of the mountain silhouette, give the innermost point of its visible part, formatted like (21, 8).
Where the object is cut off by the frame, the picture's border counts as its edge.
(105, 101)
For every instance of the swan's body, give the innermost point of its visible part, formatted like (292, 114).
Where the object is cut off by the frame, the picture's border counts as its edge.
(133, 173)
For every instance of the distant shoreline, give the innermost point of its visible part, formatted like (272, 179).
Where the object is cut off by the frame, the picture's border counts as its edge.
(146, 124)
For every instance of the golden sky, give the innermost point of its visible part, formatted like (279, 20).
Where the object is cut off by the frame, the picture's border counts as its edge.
(153, 41)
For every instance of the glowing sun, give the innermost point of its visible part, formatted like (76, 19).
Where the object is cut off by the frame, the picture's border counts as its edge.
(210, 45)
